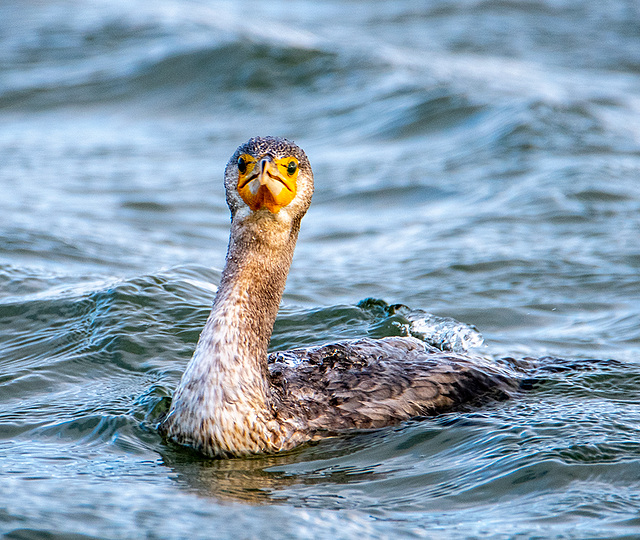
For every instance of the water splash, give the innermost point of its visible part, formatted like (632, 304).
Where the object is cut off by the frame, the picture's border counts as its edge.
(444, 333)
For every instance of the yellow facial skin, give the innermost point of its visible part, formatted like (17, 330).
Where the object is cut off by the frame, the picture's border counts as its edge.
(267, 182)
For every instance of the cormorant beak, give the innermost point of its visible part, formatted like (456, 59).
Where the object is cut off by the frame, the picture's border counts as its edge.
(267, 184)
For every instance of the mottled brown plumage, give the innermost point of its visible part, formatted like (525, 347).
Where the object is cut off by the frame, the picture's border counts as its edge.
(373, 383)
(233, 399)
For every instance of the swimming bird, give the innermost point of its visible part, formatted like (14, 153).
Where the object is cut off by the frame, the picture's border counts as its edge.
(235, 399)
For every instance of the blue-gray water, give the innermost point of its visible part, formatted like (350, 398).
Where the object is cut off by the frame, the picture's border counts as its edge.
(475, 159)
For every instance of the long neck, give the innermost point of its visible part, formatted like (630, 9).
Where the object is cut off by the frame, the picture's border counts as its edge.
(225, 385)
(246, 305)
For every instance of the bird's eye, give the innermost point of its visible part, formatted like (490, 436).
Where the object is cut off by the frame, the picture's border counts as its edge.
(242, 165)
(292, 167)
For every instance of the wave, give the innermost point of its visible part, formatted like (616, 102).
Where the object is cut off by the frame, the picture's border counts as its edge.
(189, 56)
(170, 61)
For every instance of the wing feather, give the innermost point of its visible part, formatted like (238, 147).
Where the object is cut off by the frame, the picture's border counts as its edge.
(369, 383)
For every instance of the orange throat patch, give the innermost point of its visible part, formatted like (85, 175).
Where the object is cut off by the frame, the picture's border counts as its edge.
(267, 183)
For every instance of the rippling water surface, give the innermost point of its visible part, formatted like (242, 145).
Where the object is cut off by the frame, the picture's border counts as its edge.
(475, 159)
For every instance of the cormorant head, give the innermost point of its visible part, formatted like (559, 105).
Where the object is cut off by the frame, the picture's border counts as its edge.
(269, 174)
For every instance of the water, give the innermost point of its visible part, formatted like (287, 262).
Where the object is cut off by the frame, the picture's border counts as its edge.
(474, 159)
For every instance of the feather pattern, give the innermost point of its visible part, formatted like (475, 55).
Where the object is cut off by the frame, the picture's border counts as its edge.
(372, 383)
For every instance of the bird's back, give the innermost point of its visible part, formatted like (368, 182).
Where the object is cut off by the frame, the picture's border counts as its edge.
(373, 383)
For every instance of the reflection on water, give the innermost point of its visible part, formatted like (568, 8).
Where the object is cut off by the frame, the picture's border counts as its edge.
(267, 479)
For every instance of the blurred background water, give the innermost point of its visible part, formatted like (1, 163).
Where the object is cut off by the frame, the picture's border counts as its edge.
(478, 159)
